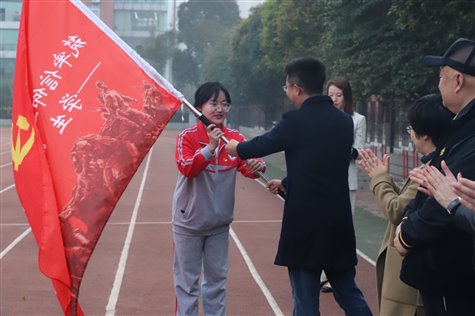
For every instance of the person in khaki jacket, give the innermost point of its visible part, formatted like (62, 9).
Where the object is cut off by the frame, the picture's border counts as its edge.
(428, 122)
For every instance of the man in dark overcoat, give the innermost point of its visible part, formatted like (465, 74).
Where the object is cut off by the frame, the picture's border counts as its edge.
(317, 227)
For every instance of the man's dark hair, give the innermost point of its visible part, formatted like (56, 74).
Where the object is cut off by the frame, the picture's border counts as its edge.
(210, 90)
(428, 116)
(308, 73)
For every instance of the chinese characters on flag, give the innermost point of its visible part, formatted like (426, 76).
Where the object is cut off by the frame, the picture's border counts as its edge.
(86, 111)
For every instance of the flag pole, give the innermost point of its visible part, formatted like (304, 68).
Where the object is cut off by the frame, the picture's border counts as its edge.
(200, 116)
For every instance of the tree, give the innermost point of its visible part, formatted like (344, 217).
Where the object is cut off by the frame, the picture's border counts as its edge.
(185, 70)
(359, 43)
(429, 27)
(292, 29)
(158, 50)
(271, 46)
(257, 83)
(378, 44)
(203, 24)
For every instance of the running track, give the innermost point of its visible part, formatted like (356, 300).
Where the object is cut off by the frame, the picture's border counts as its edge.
(130, 272)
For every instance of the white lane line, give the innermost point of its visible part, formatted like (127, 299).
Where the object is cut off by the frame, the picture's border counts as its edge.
(119, 275)
(14, 225)
(271, 221)
(364, 256)
(359, 252)
(270, 299)
(152, 223)
(6, 165)
(260, 221)
(141, 223)
(14, 243)
(7, 188)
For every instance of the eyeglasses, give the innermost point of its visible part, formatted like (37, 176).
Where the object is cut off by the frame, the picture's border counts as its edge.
(285, 87)
(409, 129)
(224, 106)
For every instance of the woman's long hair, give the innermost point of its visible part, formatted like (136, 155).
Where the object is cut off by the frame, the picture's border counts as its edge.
(343, 84)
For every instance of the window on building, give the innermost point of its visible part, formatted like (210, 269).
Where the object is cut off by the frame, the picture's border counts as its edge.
(2, 14)
(9, 39)
(96, 9)
(16, 16)
(144, 20)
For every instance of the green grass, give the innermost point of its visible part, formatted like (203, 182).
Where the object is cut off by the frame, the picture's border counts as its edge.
(369, 230)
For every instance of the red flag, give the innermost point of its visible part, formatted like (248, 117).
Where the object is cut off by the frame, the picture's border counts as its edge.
(86, 110)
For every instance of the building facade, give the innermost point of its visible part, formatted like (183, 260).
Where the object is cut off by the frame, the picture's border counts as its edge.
(135, 21)
(9, 24)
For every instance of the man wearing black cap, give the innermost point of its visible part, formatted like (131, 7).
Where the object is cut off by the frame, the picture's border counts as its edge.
(438, 256)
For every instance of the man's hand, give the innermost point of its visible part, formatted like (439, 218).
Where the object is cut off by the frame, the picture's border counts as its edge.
(397, 243)
(438, 185)
(231, 147)
(275, 186)
(466, 190)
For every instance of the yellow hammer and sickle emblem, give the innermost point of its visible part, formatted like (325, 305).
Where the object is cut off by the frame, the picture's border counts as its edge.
(19, 152)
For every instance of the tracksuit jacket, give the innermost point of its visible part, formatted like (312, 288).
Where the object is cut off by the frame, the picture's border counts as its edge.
(203, 201)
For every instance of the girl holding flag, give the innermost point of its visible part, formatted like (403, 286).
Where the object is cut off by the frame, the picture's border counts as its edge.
(203, 204)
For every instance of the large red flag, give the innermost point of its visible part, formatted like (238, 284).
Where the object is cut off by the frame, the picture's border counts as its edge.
(86, 110)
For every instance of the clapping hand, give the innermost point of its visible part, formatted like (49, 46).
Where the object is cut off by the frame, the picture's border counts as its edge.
(465, 189)
(371, 164)
(434, 183)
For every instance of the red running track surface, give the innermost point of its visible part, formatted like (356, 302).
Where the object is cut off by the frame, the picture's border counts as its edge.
(139, 281)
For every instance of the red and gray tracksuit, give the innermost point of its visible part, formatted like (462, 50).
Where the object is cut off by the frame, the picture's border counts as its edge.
(202, 211)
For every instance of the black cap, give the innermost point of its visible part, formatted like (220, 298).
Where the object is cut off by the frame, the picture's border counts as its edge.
(459, 56)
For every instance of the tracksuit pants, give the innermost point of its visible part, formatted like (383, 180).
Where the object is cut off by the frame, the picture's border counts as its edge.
(195, 256)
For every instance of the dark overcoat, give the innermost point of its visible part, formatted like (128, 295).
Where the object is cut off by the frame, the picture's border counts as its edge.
(317, 227)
